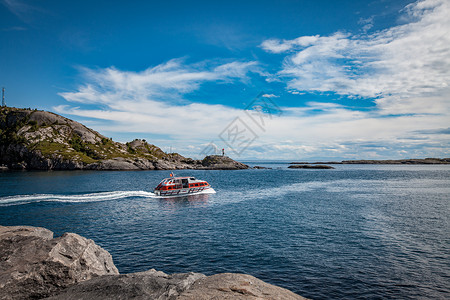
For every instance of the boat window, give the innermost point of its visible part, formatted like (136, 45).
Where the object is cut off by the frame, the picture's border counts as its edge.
(185, 183)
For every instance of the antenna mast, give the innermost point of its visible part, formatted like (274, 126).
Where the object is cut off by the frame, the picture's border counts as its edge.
(3, 97)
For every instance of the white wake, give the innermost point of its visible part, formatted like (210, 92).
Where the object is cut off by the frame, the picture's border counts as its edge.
(91, 197)
(80, 198)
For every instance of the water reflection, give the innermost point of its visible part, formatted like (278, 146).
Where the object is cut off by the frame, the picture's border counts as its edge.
(188, 200)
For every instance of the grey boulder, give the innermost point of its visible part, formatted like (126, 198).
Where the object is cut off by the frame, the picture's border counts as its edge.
(35, 265)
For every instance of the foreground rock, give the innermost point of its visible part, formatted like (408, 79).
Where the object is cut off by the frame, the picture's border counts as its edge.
(236, 286)
(310, 167)
(34, 265)
(187, 286)
(151, 284)
(41, 140)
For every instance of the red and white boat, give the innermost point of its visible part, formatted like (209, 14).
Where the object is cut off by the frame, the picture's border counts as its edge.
(178, 186)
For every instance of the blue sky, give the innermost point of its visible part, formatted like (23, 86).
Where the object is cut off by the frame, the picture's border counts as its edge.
(346, 79)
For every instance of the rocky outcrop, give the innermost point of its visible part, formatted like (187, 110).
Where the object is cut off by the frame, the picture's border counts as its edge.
(34, 265)
(40, 140)
(151, 284)
(186, 286)
(236, 286)
(218, 162)
(310, 167)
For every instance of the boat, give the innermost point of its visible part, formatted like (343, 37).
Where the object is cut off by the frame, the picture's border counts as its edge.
(179, 186)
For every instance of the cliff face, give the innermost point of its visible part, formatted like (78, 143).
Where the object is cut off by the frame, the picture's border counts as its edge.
(31, 139)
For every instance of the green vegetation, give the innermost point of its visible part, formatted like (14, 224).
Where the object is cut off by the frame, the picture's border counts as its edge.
(85, 148)
(130, 149)
(60, 141)
(49, 149)
(34, 125)
(105, 141)
(10, 124)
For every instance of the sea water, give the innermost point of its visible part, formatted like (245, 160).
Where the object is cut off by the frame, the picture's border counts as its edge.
(359, 231)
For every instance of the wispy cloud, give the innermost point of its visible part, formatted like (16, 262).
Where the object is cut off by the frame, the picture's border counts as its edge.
(408, 60)
(24, 11)
(164, 82)
(14, 28)
(124, 103)
(152, 101)
(406, 69)
(367, 23)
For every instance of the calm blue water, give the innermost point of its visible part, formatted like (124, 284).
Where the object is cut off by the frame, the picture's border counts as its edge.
(354, 232)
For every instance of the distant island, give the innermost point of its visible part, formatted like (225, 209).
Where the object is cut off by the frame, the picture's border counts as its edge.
(412, 161)
(41, 140)
(295, 166)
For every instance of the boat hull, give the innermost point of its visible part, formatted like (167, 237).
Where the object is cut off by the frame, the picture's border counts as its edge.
(184, 191)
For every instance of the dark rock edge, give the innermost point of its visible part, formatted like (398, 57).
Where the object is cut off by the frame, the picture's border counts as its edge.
(310, 167)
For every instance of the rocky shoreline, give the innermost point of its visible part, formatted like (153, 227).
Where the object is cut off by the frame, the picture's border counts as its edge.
(41, 140)
(34, 265)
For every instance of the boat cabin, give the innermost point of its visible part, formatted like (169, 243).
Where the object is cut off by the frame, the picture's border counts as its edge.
(180, 183)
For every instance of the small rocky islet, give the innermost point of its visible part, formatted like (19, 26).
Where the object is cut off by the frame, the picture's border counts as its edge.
(41, 140)
(310, 167)
(414, 161)
(35, 265)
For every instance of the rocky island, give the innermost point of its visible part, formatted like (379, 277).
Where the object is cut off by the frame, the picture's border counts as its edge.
(34, 265)
(310, 167)
(41, 140)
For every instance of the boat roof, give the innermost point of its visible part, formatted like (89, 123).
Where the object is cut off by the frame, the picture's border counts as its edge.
(180, 177)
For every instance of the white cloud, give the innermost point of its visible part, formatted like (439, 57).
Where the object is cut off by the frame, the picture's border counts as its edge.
(367, 23)
(406, 67)
(152, 101)
(333, 130)
(277, 46)
(270, 96)
(336, 131)
(164, 82)
(408, 60)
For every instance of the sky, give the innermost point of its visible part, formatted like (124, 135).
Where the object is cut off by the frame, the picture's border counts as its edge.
(269, 80)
